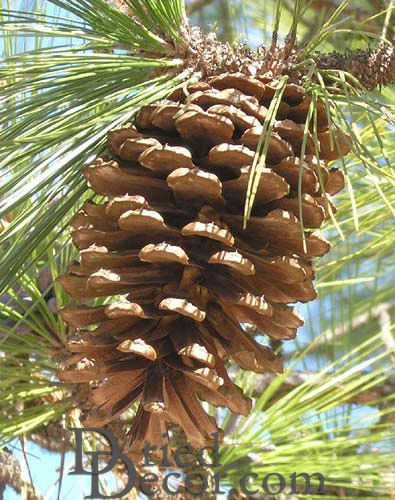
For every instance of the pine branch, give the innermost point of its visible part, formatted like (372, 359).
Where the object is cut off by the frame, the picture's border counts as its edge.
(10, 474)
(48, 437)
(368, 397)
(372, 67)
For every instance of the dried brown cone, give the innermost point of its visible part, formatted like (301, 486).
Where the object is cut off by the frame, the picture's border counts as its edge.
(170, 242)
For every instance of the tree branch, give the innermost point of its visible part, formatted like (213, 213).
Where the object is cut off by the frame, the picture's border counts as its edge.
(48, 437)
(368, 397)
(11, 474)
(371, 67)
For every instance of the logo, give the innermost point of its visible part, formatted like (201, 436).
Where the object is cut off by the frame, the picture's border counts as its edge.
(184, 456)
(115, 455)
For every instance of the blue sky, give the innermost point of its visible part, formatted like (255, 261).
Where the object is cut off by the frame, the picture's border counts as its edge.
(44, 467)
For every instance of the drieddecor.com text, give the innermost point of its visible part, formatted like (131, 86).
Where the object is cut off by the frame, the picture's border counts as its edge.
(196, 483)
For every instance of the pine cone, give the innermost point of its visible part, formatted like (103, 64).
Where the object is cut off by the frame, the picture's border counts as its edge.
(169, 243)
